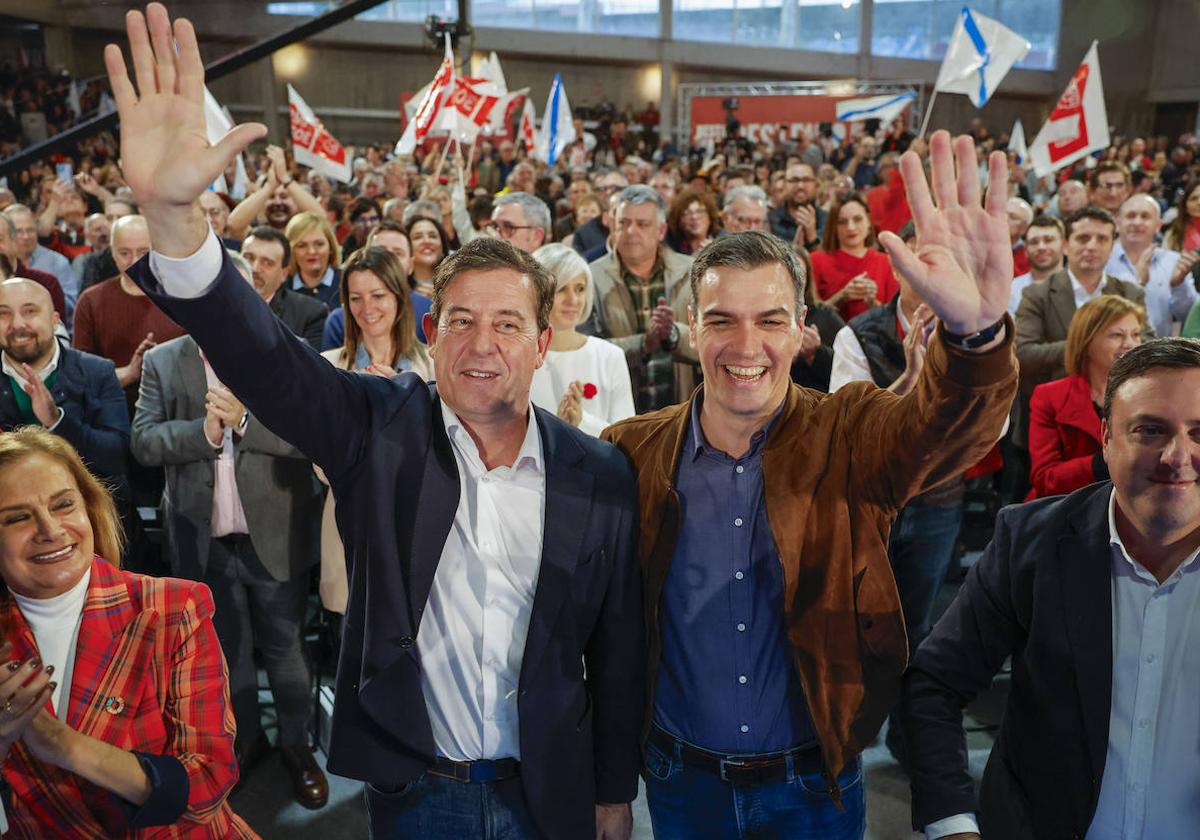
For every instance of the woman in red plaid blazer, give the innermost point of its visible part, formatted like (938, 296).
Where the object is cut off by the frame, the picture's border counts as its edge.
(139, 743)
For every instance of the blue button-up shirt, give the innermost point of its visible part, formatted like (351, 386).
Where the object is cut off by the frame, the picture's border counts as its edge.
(727, 682)
(1165, 303)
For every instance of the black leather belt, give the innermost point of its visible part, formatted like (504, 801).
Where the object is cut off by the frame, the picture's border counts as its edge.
(474, 772)
(741, 769)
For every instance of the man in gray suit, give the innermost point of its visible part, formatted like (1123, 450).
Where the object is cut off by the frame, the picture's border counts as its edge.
(1046, 309)
(238, 508)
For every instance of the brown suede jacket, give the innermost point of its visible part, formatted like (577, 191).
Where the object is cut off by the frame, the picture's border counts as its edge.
(836, 469)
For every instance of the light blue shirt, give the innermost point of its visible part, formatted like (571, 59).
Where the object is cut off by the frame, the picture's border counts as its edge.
(1019, 285)
(1164, 304)
(52, 262)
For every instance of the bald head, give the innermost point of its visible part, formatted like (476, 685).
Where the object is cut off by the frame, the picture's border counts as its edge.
(130, 241)
(23, 289)
(27, 322)
(1138, 220)
(1020, 214)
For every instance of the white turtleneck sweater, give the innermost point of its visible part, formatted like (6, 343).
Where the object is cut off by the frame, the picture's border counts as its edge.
(55, 624)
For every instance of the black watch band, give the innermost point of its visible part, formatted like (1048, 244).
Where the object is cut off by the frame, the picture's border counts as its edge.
(975, 340)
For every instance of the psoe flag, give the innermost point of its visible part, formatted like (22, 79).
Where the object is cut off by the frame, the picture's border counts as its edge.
(312, 145)
(558, 129)
(884, 108)
(1078, 125)
(981, 53)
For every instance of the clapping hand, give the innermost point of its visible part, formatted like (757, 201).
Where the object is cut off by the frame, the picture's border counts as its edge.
(570, 407)
(662, 323)
(166, 158)
(43, 405)
(24, 689)
(963, 264)
(810, 343)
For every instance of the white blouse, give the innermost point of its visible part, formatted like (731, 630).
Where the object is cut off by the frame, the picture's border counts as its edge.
(598, 363)
(55, 626)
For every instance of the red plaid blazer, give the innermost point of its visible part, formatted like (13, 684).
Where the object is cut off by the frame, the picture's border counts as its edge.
(149, 676)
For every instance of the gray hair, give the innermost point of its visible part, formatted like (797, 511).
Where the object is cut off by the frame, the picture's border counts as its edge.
(750, 192)
(424, 208)
(636, 194)
(748, 250)
(564, 264)
(535, 210)
(239, 262)
(9, 225)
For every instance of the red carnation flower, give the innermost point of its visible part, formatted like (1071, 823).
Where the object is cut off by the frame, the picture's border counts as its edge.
(589, 391)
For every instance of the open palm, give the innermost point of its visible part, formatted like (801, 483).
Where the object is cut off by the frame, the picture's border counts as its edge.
(165, 155)
(963, 265)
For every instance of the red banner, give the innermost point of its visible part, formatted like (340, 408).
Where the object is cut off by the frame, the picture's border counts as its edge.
(796, 111)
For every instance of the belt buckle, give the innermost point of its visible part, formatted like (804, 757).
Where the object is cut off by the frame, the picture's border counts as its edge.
(728, 762)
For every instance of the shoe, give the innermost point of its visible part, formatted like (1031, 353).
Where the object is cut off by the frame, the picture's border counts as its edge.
(308, 781)
(249, 755)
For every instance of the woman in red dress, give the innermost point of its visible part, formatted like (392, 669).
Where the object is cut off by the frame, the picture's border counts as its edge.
(851, 273)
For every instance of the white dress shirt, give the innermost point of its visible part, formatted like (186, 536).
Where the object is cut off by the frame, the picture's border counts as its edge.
(1082, 295)
(1165, 304)
(850, 360)
(1019, 284)
(472, 634)
(1150, 788)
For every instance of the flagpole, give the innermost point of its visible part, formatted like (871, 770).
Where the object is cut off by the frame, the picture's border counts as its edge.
(928, 113)
(437, 173)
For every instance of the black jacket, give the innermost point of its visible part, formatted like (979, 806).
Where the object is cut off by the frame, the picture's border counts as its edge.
(304, 316)
(1042, 594)
(383, 446)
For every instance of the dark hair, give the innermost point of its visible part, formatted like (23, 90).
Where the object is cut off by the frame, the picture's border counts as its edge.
(362, 206)
(1178, 228)
(1104, 168)
(441, 232)
(480, 209)
(270, 234)
(384, 265)
(685, 200)
(748, 250)
(1169, 353)
(908, 231)
(486, 253)
(1046, 220)
(830, 242)
(1096, 214)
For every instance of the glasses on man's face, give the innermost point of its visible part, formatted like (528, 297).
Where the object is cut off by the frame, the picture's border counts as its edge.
(805, 179)
(368, 220)
(608, 188)
(751, 222)
(506, 230)
(1111, 186)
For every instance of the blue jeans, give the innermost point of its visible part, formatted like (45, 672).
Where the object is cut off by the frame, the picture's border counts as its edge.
(434, 807)
(920, 549)
(690, 804)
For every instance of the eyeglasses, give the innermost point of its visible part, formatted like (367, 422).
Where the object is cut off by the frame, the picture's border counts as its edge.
(694, 211)
(807, 179)
(1111, 186)
(367, 220)
(751, 222)
(506, 229)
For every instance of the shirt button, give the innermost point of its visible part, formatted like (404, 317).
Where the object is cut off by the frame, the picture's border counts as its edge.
(1144, 722)
(745, 728)
(738, 522)
(740, 469)
(742, 679)
(1150, 657)
(741, 627)
(738, 575)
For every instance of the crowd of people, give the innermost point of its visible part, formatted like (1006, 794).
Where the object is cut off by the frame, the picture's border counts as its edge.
(739, 590)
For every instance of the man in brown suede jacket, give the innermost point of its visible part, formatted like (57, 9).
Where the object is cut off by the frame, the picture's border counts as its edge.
(776, 641)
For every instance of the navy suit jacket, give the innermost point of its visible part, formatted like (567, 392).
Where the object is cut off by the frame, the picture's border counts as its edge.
(1042, 594)
(385, 451)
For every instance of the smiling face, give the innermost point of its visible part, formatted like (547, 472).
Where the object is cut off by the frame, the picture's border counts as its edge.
(426, 244)
(569, 302)
(1152, 447)
(1138, 222)
(694, 221)
(27, 322)
(1044, 247)
(1111, 343)
(46, 541)
(372, 306)
(744, 328)
(486, 344)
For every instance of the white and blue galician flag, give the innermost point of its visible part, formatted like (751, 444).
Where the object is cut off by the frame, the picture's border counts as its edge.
(981, 53)
(558, 129)
(1016, 142)
(884, 108)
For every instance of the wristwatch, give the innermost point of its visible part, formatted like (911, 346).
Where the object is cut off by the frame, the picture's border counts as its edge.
(975, 340)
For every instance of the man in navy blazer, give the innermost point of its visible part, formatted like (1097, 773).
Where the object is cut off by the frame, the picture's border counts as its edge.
(1096, 597)
(471, 521)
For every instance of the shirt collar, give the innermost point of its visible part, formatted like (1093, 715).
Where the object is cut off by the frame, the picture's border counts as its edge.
(1077, 287)
(699, 443)
(326, 279)
(1120, 254)
(529, 457)
(1118, 546)
(44, 373)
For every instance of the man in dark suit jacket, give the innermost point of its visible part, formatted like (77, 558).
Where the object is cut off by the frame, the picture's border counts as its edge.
(269, 254)
(530, 678)
(1095, 596)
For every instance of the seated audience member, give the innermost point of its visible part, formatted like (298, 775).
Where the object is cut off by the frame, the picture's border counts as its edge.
(237, 514)
(587, 209)
(745, 208)
(590, 237)
(1109, 185)
(1070, 198)
(851, 274)
(1064, 415)
(1044, 241)
(315, 257)
(268, 253)
(522, 220)
(797, 218)
(1020, 217)
(1163, 274)
(39, 257)
(115, 319)
(364, 215)
(99, 265)
(11, 266)
(380, 339)
(277, 199)
(641, 298)
(584, 379)
(116, 722)
(217, 212)
(1183, 234)
(1093, 596)
(430, 246)
(814, 362)
(692, 222)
